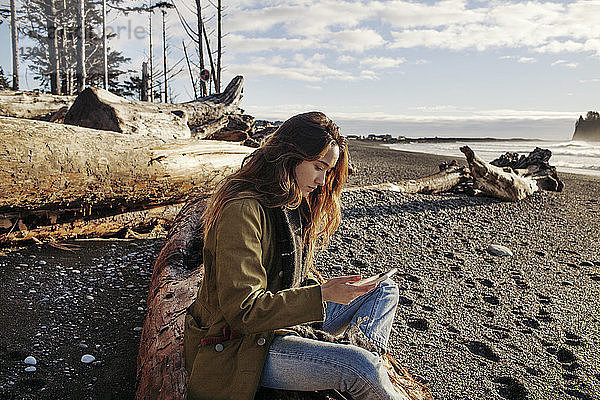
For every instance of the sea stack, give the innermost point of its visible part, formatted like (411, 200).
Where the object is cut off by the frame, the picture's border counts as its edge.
(588, 129)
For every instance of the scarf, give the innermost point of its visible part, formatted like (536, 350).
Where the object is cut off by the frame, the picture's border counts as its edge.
(288, 230)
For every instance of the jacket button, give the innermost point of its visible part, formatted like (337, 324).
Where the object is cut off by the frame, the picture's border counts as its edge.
(218, 347)
(281, 274)
(261, 341)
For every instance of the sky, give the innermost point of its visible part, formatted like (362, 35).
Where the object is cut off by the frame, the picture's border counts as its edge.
(427, 68)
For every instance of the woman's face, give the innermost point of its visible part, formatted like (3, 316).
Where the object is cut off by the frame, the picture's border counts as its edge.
(311, 174)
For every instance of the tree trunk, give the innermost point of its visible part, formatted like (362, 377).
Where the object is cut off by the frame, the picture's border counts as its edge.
(219, 50)
(14, 35)
(99, 109)
(164, 34)
(32, 105)
(151, 62)
(79, 173)
(210, 58)
(54, 69)
(104, 47)
(144, 89)
(81, 74)
(200, 47)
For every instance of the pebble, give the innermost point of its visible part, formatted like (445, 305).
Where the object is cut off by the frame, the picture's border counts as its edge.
(88, 358)
(137, 328)
(42, 262)
(499, 250)
(30, 360)
(30, 369)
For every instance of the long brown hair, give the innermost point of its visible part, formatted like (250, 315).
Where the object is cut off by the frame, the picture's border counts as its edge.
(267, 175)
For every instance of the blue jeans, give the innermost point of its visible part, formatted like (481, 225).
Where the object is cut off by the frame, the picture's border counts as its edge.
(296, 363)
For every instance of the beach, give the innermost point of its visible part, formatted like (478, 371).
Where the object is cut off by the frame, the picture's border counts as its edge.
(470, 324)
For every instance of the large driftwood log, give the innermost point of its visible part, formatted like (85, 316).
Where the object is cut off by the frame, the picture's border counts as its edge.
(175, 281)
(449, 176)
(99, 109)
(69, 173)
(152, 222)
(497, 182)
(32, 105)
(535, 165)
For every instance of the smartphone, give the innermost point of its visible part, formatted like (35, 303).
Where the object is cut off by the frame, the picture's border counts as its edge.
(375, 278)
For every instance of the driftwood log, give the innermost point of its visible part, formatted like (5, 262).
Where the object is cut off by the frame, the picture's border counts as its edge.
(496, 181)
(53, 173)
(99, 109)
(535, 166)
(146, 223)
(175, 281)
(32, 105)
(450, 176)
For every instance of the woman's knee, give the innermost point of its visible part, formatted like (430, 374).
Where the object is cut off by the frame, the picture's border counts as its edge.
(390, 289)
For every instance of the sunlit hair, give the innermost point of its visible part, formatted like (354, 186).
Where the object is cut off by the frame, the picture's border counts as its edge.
(268, 176)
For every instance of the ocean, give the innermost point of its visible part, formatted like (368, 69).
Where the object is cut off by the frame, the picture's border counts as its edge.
(567, 156)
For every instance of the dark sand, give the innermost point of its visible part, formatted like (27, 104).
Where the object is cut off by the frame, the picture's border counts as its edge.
(472, 325)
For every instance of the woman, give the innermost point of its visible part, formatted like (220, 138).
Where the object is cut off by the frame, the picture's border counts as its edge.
(261, 227)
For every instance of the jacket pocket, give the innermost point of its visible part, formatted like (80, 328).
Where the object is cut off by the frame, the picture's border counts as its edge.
(192, 335)
(213, 371)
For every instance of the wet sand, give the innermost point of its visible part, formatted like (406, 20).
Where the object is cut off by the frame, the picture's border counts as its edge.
(470, 324)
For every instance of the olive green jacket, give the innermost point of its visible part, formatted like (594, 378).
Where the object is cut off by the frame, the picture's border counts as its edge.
(241, 289)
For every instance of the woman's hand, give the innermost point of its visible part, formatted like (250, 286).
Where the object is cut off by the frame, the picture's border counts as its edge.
(339, 290)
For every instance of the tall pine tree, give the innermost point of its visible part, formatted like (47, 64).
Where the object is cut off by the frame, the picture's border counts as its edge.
(52, 26)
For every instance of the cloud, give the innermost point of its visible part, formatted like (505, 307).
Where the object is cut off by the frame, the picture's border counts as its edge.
(526, 60)
(357, 40)
(346, 59)
(241, 44)
(298, 67)
(483, 115)
(565, 63)
(382, 62)
(544, 27)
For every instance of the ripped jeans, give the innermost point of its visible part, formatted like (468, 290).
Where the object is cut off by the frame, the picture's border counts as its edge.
(296, 363)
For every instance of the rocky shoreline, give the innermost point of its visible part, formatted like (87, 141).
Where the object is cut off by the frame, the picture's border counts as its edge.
(471, 324)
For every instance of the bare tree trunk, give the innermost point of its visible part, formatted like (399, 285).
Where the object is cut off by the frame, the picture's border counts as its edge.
(200, 47)
(219, 49)
(144, 89)
(164, 34)
(190, 70)
(81, 74)
(150, 13)
(104, 45)
(53, 58)
(212, 64)
(64, 64)
(14, 34)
